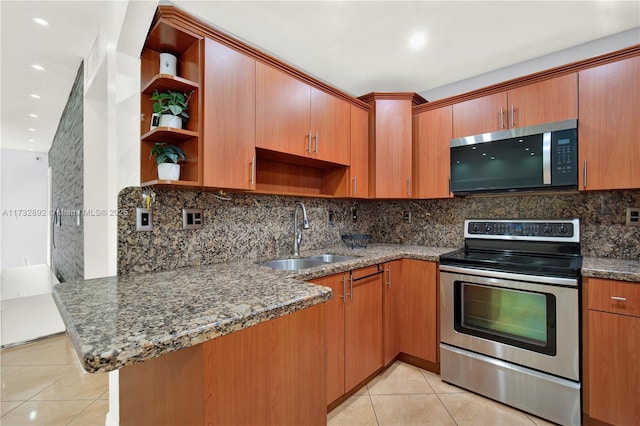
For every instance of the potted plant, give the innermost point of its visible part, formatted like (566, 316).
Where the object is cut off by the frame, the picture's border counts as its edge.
(172, 108)
(167, 158)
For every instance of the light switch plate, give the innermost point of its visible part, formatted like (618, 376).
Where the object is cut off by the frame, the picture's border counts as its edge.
(144, 219)
(192, 218)
(633, 216)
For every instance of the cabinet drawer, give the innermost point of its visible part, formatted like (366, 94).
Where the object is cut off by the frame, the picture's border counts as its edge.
(618, 297)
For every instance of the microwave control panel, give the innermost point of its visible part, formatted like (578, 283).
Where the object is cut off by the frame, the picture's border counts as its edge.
(564, 145)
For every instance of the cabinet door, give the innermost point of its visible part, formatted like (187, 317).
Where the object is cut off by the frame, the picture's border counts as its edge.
(330, 126)
(614, 370)
(393, 148)
(283, 121)
(363, 326)
(419, 309)
(335, 335)
(359, 169)
(608, 126)
(481, 115)
(393, 288)
(544, 102)
(433, 132)
(229, 124)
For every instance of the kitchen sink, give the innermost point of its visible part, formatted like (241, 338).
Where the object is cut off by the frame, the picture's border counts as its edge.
(298, 263)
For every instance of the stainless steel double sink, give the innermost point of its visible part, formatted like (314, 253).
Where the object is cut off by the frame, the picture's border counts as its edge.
(297, 263)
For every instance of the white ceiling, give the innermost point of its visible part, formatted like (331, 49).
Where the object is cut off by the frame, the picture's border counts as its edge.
(357, 46)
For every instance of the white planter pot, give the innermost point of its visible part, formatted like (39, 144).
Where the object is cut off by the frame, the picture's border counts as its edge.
(169, 171)
(169, 120)
(168, 64)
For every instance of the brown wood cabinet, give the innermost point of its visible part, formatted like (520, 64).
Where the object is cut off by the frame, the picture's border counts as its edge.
(433, 131)
(393, 293)
(359, 169)
(537, 103)
(229, 157)
(612, 371)
(608, 126)
(272, 373)
(354, 329)
(295, 118)
(167, 36)
(390, 144)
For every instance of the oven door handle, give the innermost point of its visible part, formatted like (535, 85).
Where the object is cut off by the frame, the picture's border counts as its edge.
(565, 282)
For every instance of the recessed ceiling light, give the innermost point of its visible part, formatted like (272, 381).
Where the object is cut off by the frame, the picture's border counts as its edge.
(34, 96)
(30, 149)
(41, 21)
(31, 129)
(33, 115)
(37, 67)
(31, 140)
(417, 41)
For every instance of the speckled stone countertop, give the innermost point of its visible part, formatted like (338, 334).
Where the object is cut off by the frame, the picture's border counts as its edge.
(613, 269)
(119, 321)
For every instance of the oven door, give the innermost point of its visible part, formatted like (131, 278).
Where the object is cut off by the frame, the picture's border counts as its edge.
(528, 320)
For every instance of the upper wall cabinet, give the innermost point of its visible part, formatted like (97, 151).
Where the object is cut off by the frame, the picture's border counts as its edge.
(549, 100)
(359, 170)
(230, 127)
(166, 36)
(294, 118)
(609, 126)
(432, 134)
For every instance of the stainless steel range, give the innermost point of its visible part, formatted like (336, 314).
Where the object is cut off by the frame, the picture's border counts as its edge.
(510, 315)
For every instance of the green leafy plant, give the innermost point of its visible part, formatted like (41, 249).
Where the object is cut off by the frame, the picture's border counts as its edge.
(166, 153)
(169, 102)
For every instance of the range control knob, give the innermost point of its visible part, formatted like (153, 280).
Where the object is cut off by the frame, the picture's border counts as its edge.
(562, 229)
(547, 229)
(475, 227)
(487, 227)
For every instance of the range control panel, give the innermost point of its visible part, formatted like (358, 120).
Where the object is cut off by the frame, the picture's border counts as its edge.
(540, 230)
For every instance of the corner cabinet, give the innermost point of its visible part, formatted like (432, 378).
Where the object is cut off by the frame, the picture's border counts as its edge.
(166, 36)
(612, 339)
(609, 126)
(432, 133)
(548, 100)
(229, 156)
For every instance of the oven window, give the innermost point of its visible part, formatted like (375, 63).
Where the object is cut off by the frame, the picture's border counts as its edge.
(524, 319)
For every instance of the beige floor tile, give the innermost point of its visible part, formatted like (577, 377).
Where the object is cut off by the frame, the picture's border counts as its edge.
(362, 391)
(356, 410)
(438, 385)
(76, 384)
(28, 381)
(105, 395)
(6, 406)
(406, 410)
(8, 369)
(474, 410)
(55, 350)
(50, 413)
(400, 378)
(540, 422)
(94, 415)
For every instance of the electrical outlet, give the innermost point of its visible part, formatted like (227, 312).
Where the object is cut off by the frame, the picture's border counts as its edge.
(192, 218)
(330, 217)
(633, 216)
(144, 219)
(407, 217)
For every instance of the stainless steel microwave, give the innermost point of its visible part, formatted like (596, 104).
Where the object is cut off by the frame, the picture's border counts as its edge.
(524, 159)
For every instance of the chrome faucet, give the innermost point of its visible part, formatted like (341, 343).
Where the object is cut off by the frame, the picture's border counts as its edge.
(297, 233)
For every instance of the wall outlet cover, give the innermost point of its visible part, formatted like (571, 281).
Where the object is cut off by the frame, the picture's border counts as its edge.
(144, 219)
(633, 216)
(192, 218)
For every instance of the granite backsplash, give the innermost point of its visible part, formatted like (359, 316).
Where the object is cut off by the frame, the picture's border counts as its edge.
(260, 227)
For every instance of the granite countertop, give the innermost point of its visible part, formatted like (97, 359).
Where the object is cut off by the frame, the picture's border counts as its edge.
(114, 322)
(612, 269)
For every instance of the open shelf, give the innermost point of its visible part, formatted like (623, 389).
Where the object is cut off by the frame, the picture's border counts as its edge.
(165, 134)
(163, 82)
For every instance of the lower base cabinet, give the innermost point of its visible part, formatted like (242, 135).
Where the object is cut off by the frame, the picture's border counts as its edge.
(612, 368)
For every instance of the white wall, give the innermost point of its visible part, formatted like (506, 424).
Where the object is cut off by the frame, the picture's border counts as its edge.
(24, 205)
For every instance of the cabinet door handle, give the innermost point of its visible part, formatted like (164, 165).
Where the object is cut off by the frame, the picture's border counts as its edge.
(501, 117)
(409, 187)
(389, 277)
(355, 185)
(584, 175)
(309, 142)
(253, 170)
(513, 116)
(619, 298)
(351, 287)
(344, 288)
(316, 150)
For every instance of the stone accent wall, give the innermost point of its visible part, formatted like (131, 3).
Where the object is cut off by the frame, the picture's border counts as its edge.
(260, 227)
(67, 164)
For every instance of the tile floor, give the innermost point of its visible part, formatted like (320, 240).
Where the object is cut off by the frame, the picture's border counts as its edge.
(43, 384)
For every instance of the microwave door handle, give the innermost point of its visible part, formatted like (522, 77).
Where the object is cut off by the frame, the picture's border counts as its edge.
(546, 158)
